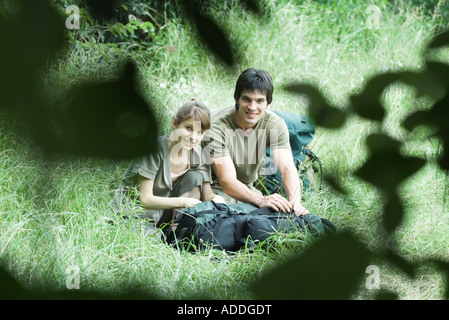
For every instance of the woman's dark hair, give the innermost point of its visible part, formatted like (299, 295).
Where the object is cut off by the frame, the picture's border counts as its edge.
(196, 110)
(254, 80)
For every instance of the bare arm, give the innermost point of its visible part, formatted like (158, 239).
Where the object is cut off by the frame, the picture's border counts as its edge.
(227, 177)
(290, 180)
(152, 202)
(209, 195)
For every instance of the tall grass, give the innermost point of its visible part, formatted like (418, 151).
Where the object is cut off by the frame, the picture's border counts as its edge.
(54, 212)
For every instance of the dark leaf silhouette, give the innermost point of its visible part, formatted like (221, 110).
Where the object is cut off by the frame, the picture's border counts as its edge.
(440, 40)
(386, 167)
(367, 103)
(395, 259)
(332, 181)
(11, 289)
(253, 6)
(28, 40)
(331, 268)
(432, 80)
(103, 9)
(112, 120)
(418, 118)
(378, 143)
(443, 162)
(323, 114)
(107, 120)
(436, 117)
(393, 212)
(386, 295)
(212, 35)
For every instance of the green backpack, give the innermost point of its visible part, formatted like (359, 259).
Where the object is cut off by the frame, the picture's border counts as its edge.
(231, 227)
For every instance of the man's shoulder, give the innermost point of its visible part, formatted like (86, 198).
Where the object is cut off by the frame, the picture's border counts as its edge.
(272, 116)
(271, 119)
(222, 118)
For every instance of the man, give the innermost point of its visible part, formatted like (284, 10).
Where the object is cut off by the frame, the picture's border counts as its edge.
(237, 143)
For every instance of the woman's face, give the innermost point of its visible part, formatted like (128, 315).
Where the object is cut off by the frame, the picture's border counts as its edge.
(188, 133)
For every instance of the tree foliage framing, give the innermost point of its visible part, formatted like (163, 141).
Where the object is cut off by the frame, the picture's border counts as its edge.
(97, 123)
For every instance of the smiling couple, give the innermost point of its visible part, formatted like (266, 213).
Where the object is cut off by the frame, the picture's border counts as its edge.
(182, 174)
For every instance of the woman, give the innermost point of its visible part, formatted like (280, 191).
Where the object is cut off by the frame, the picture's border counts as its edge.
(174, 177)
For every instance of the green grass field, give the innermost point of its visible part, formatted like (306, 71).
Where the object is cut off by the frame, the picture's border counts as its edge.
(54, 212)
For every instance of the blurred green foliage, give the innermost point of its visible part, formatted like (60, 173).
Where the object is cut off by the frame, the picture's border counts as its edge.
(101, 114)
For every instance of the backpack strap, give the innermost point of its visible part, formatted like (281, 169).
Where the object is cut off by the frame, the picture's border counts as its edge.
(263, 210)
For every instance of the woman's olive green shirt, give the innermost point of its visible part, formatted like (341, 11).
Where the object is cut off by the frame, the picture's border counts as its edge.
(155, 167)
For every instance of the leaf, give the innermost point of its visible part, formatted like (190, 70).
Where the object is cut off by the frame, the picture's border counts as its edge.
(432, 80)
(252, 5)
(322, 113)
(393, 213)
(211, 34)
(404, 265)
(367, 103)
(443, 161)
(29, 39)
(11, 289)
(378, 142)
(436, 117)
(330, 268)
(130, 28)
(440, 40)
(386, 295)
(416, 119)
(108, 120)
(333, 182)
(103, 9)
(386, 168)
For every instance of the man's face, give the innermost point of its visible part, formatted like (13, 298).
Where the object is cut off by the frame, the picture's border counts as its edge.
(252, 106)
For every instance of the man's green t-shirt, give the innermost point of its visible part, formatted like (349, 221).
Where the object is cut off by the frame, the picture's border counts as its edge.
(246, 149)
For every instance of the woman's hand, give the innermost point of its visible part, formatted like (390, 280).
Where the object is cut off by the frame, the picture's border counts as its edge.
(300, 210)
(185, 202)
(218, 199)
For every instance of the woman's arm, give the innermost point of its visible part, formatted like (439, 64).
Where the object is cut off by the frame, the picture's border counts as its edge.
(209, 195)
(152, 202)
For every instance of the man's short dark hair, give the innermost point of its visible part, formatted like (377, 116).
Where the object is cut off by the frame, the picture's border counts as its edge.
(254, 80)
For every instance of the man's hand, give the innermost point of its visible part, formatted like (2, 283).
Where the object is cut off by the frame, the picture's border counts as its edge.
(276, 202)
(300, 210)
